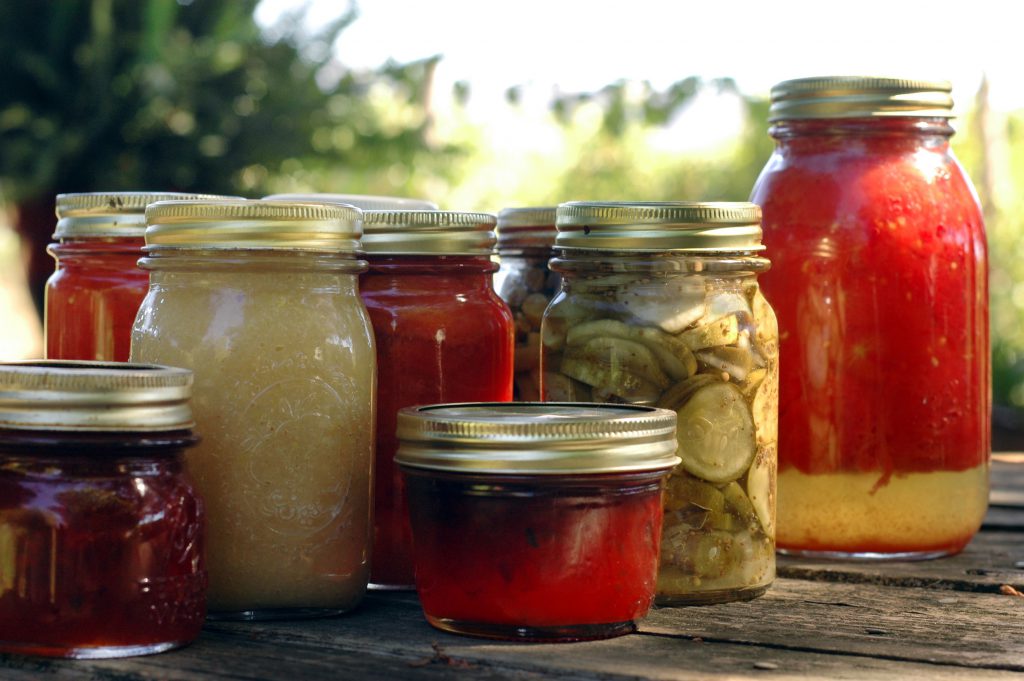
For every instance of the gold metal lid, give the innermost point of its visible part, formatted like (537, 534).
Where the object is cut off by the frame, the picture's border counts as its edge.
(859, 97)
(94, 396)
(253, 224)
(659, 226)
(428, 232)
(110, 214)
(536, 438)
(361, 201)
(526, 227)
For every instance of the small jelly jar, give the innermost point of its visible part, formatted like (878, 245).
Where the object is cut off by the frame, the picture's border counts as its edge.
(94, 293)
(101, 530)
(536, 522)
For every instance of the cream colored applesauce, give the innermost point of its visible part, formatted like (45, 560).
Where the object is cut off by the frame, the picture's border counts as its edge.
(834, 510)
(260, 300)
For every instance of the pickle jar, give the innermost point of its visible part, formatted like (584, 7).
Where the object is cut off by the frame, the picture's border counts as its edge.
(882, 285)
(101, 528)
(93, 295)
(443, 335)
(524, 281)
(660, 306)
(260, 299)
(361, 201)
(533, 521)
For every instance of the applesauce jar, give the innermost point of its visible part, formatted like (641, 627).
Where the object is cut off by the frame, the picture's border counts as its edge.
(524, 281)
(260, 300)
(881, 283)
(92, 297)
(101, 529)
(442, 335)
(660, 306)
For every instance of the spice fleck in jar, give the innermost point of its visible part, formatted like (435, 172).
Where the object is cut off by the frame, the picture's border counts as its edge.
(260, 300)
(442, 334)
(533, 521)
(101, 529)
(881, 283)
(660, 306)
(523, 280)
(92, 297)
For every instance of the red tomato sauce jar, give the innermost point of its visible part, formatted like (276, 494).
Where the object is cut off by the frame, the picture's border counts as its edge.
(101, 530)
(442, 334)
(93, 295)
(880, 284)
(536, 522)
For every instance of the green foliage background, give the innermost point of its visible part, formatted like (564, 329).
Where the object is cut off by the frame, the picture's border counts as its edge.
(102, 95)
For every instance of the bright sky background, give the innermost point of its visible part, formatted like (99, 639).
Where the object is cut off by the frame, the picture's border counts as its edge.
(584, 44)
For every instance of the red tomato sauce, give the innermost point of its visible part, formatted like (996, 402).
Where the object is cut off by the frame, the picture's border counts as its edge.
(98, 554)
(442, 335)
(879, 281)
(92, 298)
(518, 558)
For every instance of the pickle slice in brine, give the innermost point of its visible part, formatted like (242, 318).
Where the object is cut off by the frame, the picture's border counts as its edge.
(736, 362)
(683, 489)
(674, 358)
(559, 388)
(678, 394)
(716, 433)
(616, 366)
(760, 487)
(722, 331)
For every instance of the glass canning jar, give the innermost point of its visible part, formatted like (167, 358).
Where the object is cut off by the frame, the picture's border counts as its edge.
(101, 529)
(524, 281)
(536, 521)
(443, 335)
(660, 306)
(260, 300)
(93, 295)
(881, 283)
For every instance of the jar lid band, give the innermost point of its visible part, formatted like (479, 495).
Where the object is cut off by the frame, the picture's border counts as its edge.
(69, 395)
(428, 232)
(110, 214)
(537, 438)
(687, 226)
(526, 227)
(859, 97)
(361, 201)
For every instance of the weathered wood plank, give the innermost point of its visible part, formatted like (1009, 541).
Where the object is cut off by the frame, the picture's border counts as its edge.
(778, 636)
(1007, 480)
(989, 561)
(907, 624)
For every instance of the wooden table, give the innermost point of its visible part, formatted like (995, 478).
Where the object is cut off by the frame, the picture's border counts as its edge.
(956, 618)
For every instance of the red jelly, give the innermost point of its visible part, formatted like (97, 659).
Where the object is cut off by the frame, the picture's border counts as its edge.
(442, 335)
(536, 521)
(880, 286)
(95, 292)
(101, 530)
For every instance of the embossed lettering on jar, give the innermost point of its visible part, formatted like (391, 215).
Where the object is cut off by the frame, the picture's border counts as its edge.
(881, 282)
(660, 306)
(101, 529)
(260, 300)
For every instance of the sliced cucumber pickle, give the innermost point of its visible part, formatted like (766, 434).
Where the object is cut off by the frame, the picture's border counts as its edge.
(674, 358)
(722, 331)
(765, 408)
(761, 487)
(716, 433)
(677, 395)
(736, 362)
(689, 490)
(616, 366)
(559, 388)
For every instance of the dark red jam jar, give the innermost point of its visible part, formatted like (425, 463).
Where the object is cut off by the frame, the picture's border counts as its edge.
(101, 530)
(536, 522)
(442, 335)
(94, 293)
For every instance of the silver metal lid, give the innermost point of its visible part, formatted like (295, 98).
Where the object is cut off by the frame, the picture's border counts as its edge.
(859, 97)
(428, 232)
(110, 214)
(526, 228)
(361, 201)
(94, 396)
(535, 438)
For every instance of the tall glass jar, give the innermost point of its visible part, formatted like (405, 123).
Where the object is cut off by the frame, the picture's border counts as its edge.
(101, 529)
(524, 281)
(443, 335)
(660, 306)
(93, 295)
(881, 285)
(260, 300)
